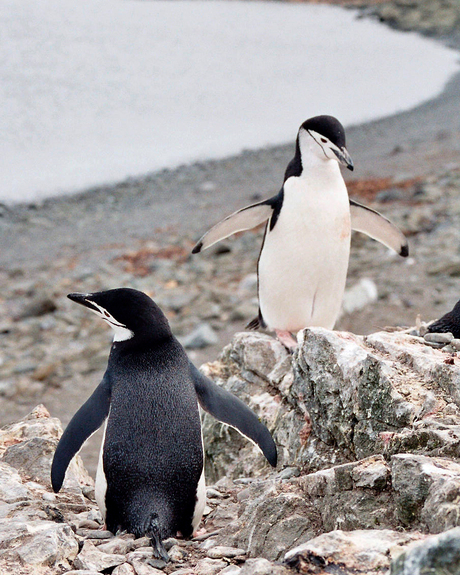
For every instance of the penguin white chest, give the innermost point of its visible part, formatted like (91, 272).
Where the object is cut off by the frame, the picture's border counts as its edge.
(304, 260)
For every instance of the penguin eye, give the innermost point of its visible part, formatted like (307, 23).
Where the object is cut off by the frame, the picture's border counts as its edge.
(324, 140)
(106, 313)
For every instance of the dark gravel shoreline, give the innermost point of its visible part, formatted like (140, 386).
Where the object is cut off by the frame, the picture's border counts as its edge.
(189, 198)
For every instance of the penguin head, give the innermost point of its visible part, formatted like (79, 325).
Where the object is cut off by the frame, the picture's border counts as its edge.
(129, 312)
(324, 136)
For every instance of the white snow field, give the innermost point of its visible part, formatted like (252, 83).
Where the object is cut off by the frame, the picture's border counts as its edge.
(94, 91)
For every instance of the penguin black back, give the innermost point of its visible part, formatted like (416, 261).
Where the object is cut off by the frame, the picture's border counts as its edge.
(152, 453)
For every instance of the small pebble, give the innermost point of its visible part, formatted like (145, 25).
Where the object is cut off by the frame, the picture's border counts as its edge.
(177, 554)
(214, 494)
(435, 345)
(220, 551)
(88, 524)
(208, 544)
(168, 543)
(230, 570)
(289, 472)
(438, 337)
(156, 563)
(93, 534)
(50, 497)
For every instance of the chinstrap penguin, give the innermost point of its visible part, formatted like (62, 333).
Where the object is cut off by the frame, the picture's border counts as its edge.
(448, 323)
(303, 261)
(150, 478)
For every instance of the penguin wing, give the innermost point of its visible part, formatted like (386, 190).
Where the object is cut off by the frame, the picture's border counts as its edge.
(84, 423)
(376, 226)
(244, 219)
(227, 408)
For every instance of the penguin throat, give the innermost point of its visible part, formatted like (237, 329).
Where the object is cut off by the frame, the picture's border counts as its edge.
(121, 333)
(313, 155)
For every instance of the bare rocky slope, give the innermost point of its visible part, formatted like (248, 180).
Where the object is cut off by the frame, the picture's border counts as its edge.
(368, 433)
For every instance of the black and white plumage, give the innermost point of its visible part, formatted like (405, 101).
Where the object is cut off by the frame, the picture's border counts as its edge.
(303, 261)
(448, 323)
(150, 478)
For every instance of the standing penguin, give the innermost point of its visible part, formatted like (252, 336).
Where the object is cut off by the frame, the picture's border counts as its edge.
(303, 261)
(150, 478)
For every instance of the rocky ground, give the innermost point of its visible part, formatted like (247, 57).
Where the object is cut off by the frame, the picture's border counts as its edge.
(357, 469)
(368, 435)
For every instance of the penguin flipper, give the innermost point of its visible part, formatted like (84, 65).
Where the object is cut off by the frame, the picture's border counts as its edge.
(227, 408)
(244, 219)
(376, 226)
(84, 423)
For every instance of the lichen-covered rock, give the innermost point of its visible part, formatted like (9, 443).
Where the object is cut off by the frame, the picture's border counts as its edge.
(346, 398)
(441, 510)
(249, 367)
(358, 388)
(352, 496)
(364, 552)
(436, 555)
(414, 477)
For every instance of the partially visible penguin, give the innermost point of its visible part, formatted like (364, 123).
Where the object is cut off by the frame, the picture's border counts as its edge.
(303, 261)
(448, 323)
(150, 478)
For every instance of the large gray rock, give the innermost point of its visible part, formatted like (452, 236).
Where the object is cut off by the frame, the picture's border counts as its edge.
(254, 367)
(29, 446)
(363, 552)
(92, 559)
(437, 555)
(346, 398)
(414, 478)
(352, 496)
(274, 517)
(39, 543)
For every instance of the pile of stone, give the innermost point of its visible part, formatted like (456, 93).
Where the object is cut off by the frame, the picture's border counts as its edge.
(368, 432)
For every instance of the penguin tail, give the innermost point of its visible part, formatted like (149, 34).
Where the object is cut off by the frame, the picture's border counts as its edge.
(253, 324)
(256, 323)
(153, 531)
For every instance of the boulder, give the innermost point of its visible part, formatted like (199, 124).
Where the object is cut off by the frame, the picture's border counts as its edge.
(365, 551)
(437, 555)
(338, 399)
(29, 447)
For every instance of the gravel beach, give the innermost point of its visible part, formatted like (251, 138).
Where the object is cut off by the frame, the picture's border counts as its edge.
(139, 233)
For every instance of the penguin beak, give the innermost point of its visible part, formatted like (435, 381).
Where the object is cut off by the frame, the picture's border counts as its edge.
(82, 299)
(344, 157)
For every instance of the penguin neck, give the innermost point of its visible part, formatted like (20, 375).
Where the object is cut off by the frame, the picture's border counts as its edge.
(148, 337)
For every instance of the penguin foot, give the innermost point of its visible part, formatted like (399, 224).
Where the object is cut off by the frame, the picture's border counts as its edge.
(285, 337)
(199, 532)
